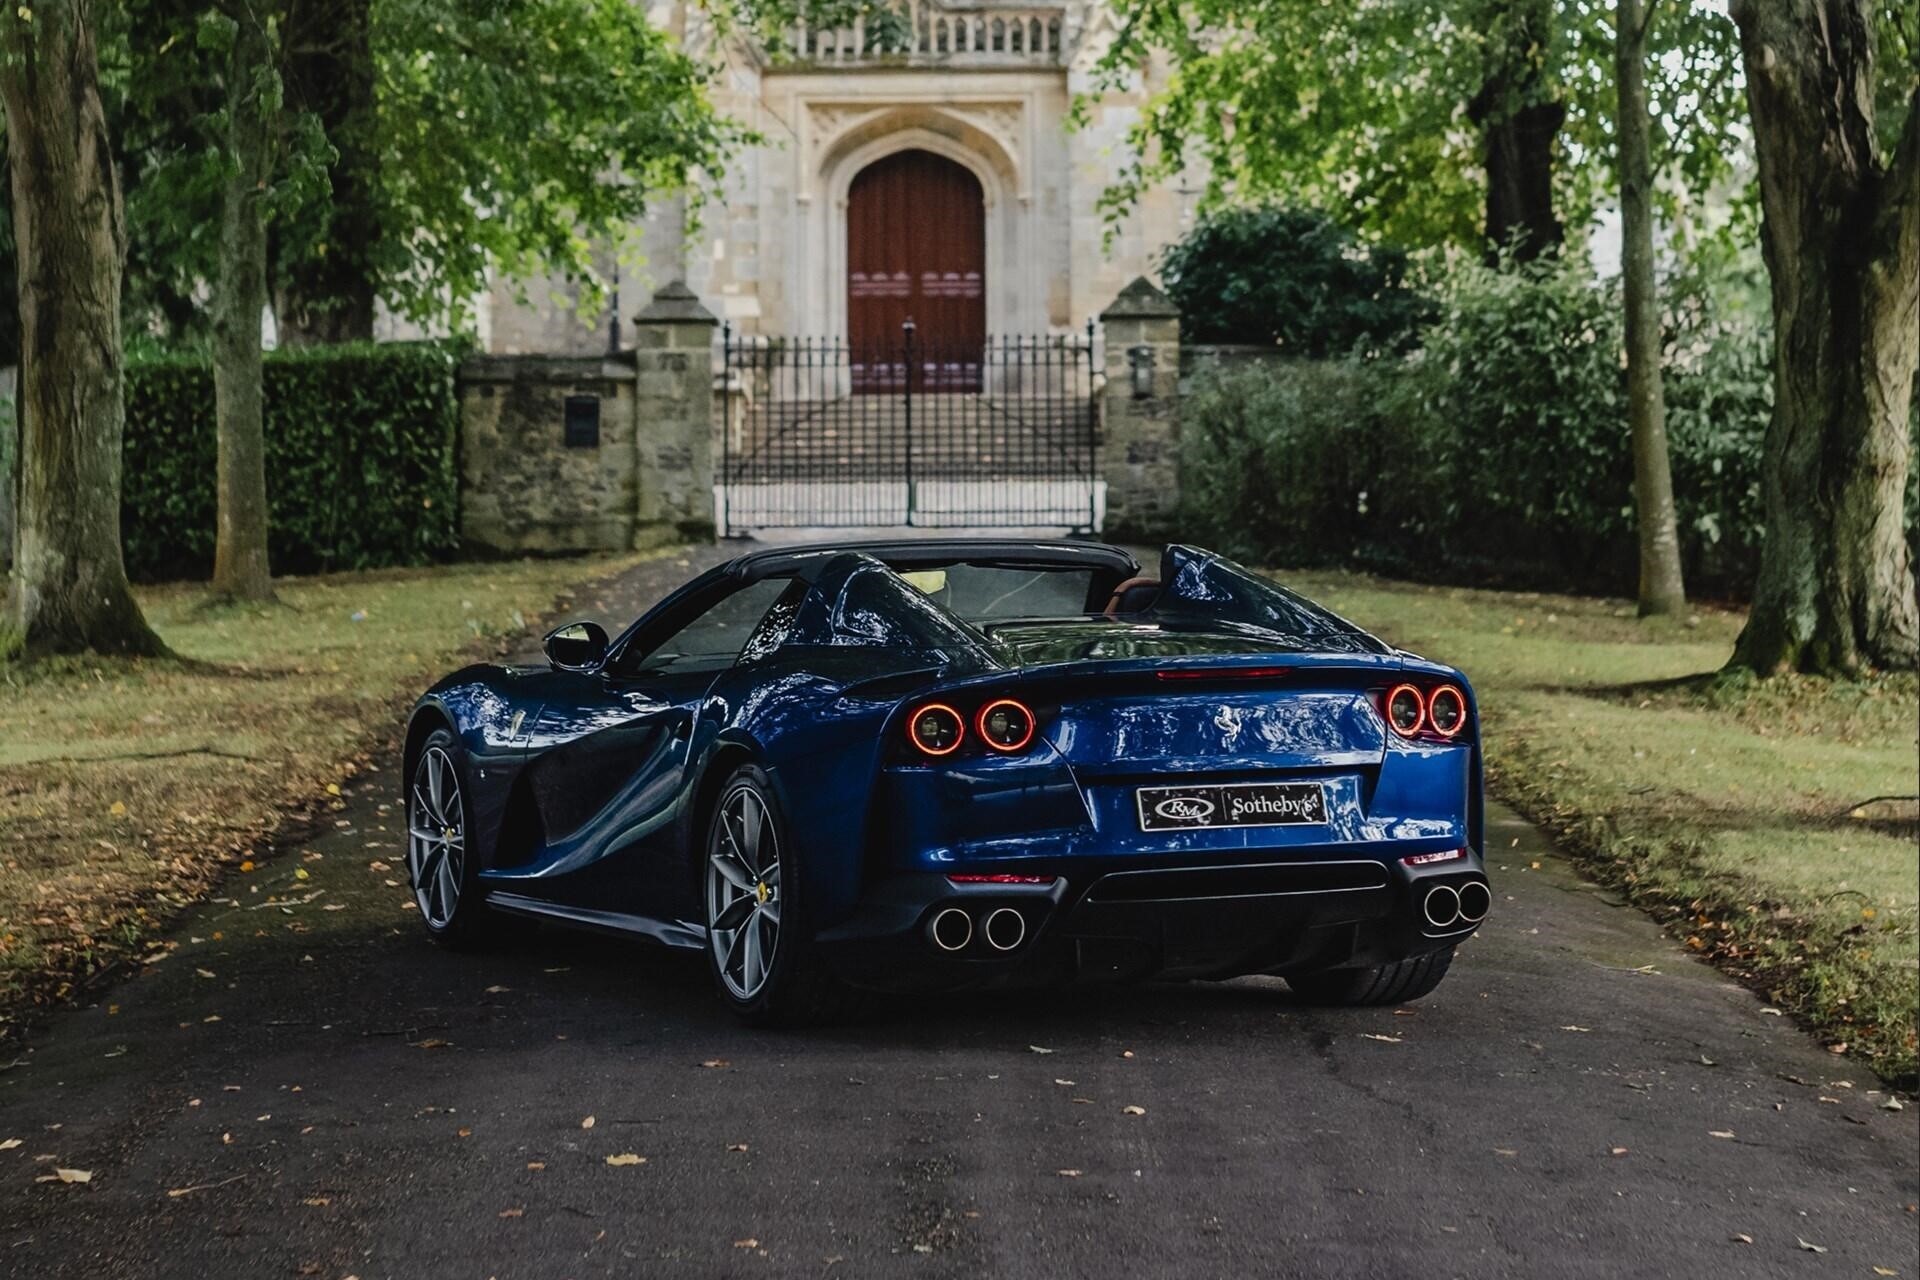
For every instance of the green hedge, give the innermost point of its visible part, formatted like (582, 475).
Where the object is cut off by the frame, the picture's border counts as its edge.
(361, 468)
(1496, 453)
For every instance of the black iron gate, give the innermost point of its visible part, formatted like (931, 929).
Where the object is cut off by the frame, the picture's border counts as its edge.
(818, 432)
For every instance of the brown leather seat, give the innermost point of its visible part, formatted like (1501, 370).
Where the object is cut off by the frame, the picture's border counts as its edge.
(1133, 596)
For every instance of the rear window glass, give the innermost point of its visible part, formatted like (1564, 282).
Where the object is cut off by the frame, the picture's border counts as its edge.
(976, 592)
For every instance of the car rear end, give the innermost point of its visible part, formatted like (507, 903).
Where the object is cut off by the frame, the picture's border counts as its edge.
(1171, 806)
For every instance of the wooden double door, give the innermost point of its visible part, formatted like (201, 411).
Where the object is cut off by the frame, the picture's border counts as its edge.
(916, 251)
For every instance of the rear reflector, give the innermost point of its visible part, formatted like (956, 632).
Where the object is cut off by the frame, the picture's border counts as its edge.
(1426, 859)
(1001, 879)
(1223, 673)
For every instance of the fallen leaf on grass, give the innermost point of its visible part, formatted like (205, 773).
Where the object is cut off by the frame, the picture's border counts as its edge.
(1885, 1271)
(1505, 1151)
(431, 1043)
(1741, 1237)
(177, 1192)
(736, 1146)
(715, 1064)
(1131, 1110)
(1368, 1035)
(1069, 1173)
(1772, 1013)
(465, 1133)
(9, 1144)
(513, 1213)
(1571, 1027)
(1616, 1151)
(587, 1123)
(498, 990)
(1809, 1246)
(625, 1158)
(1065, 1084)
(67, 1176)
(1085, 1102)
(1034, 1048)
(748, 1243)
(1893, 1104)
(1719, 1133)
(536, 1165)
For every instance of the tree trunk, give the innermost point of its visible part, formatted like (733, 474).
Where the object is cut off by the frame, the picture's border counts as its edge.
(1842, 242)
(240, 569)
(70, 590)
(1519, 122)
(328, 294)
(1661, 588)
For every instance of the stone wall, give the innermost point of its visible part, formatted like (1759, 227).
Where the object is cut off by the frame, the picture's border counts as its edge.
(523, 487)
(1140, 414)
(537, 473)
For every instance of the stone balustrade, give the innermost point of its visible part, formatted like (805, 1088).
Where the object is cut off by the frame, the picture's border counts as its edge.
(917, 32)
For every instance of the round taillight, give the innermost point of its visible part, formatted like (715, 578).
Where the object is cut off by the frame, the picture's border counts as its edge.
(1005, 725)
(936, 729)
(1447, 711)
(1405, 710)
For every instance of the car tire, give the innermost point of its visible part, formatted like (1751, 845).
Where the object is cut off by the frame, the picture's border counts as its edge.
(1393, 983)
(751, 879)
(438, 805)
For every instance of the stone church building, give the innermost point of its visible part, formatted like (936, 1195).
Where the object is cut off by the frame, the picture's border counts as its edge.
(918, 164)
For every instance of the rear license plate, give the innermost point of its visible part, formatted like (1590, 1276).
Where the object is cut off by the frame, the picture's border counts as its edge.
(1243, 804)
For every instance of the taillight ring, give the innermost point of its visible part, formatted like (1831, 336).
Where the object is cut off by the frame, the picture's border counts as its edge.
(913, 729)
(980, 725)
(1460, 719)
(1420, 710)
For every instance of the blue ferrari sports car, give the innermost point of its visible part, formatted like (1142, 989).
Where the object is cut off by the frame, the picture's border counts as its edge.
(941, 764)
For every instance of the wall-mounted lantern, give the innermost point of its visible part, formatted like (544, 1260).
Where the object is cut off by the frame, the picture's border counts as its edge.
(1140, 360)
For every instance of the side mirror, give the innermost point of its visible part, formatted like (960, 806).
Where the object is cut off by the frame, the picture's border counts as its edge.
(578, 646)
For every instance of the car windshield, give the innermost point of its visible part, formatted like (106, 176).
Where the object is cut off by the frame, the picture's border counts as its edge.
(978, 592)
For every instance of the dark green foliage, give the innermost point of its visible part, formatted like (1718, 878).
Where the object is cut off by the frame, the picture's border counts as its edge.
(1497, 453)
(1293, 279)
(361, 470)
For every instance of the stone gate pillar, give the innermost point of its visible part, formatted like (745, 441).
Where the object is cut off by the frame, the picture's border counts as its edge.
(673, 408)
(1140, 414)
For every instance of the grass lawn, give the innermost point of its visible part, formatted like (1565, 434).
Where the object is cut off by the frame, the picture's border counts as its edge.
(127, 787)
(1733, 811)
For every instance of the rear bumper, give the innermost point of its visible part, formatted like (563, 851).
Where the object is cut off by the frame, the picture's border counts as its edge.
(1126, 921)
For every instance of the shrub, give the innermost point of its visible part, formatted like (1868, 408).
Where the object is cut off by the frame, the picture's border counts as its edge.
(1497, 452)
(1292, 279)
(361, 468)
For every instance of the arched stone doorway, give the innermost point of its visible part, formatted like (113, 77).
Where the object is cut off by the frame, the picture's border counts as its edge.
(917, 250)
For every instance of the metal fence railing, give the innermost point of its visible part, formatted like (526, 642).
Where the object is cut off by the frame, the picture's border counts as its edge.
(822, 432)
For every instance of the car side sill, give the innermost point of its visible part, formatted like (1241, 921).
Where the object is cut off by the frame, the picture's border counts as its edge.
(670, 933)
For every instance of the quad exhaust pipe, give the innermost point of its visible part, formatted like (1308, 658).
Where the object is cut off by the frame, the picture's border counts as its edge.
(1441, 906)
(1445, 907)
(1005, 929)
(952, 929)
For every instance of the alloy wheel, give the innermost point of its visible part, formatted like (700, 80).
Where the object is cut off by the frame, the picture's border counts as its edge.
(743, 891)
(436, 837)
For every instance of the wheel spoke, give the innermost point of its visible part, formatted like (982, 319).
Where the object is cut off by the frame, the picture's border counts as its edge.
(448, 887)
(436, 787)
(752, 968)
(737, 912)
(731, 952)
(770, 912)
(752, 822)
(733, 871)
(430, 864)
(422, 804)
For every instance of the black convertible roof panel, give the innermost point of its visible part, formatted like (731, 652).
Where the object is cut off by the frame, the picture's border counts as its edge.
(919, 553)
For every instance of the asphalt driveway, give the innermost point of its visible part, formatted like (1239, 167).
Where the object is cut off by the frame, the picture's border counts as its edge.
(303, 1086)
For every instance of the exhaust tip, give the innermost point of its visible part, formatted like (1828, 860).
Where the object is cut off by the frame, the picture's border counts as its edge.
(951, 929)
(1475, 901)
(1441, 906)
(1005, 929)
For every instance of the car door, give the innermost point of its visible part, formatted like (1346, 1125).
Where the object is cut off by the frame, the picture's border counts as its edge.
(611, 762)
